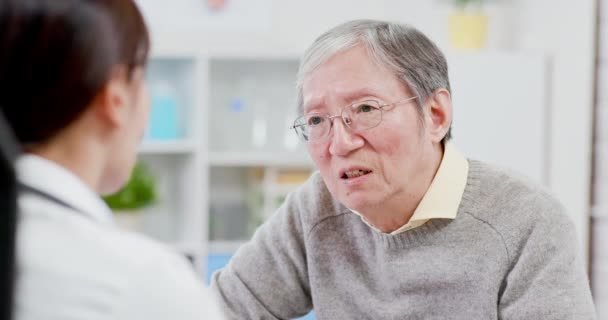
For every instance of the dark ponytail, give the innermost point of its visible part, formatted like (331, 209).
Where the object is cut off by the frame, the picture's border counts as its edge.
(8, 218)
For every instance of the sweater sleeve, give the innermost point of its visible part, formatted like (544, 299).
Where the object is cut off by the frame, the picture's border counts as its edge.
(267, 278)
(547, 278)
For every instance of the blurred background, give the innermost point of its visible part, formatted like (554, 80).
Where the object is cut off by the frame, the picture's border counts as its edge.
(530, 91)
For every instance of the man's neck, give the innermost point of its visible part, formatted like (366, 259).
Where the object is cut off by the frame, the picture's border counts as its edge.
(397, 211)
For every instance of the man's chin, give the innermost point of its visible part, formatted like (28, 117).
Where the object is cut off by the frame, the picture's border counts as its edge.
(357, 202)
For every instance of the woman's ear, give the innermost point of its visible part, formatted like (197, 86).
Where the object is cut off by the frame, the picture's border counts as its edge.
(112, 102)
(439, 115)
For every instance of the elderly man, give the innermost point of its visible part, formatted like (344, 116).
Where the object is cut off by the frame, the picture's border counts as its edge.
(397, 224)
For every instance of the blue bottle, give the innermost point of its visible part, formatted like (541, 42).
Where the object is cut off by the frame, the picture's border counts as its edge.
(164, 115)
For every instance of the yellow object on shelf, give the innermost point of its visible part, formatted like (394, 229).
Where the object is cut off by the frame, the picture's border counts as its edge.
(468, 30)
(293, 176)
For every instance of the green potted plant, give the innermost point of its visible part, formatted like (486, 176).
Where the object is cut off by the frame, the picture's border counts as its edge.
(138, 193)
(468, 25)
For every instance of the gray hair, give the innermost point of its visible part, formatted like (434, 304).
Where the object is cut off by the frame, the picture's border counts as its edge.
(410, 55)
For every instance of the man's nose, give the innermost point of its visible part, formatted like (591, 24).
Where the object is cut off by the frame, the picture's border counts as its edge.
(343, 140)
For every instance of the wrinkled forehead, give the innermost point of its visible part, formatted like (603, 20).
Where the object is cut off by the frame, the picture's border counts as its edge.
(346, 77)
(330, 96)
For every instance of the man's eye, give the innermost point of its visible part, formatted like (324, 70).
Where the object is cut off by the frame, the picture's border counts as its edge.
(315, 121)
(364, 108)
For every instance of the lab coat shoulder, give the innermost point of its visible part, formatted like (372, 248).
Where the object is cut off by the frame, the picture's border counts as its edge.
(129, 274)
(162, 285)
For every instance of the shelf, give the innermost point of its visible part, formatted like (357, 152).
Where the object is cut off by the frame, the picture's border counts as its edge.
(282, 189)
(168, 147)
(257, 159)
(190, 248)
(252, 53)
(598, 212)
(223, 247)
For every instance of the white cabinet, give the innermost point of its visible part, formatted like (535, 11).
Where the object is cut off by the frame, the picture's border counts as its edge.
(251, 105)
(173, 149)
(218, 134)
(251, 145)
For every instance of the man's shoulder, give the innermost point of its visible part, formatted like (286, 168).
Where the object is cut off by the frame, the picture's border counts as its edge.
(509, 202)
(492, 186)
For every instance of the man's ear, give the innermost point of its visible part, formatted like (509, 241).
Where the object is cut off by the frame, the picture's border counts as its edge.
(112, 102)
(439, 114)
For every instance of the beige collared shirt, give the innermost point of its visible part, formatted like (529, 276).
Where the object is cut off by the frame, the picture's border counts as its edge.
(443, 197)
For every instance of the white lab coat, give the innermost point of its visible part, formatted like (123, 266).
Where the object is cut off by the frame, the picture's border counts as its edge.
(76, 265)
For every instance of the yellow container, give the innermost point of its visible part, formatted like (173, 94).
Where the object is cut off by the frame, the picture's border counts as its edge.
(468, 31)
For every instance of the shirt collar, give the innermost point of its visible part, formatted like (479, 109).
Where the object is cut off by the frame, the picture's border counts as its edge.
(51, 178)
(442, 199)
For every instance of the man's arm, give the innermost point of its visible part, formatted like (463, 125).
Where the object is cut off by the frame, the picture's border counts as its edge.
(547, 279)
(267, 278)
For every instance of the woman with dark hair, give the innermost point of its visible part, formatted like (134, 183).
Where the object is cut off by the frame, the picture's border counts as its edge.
(72, 89)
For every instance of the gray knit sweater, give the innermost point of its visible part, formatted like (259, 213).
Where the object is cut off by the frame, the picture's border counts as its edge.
(511, 253)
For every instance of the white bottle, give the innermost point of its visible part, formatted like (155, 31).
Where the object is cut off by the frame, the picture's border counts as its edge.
(259, 128)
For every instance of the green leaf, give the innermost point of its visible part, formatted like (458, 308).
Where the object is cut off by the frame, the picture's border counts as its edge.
(139, 192)
(466, 3)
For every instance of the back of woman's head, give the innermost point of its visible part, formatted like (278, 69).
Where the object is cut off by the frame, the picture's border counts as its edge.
(56, 55)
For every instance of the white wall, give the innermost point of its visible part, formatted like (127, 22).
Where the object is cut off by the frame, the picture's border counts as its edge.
(567, 33)
(291, 25)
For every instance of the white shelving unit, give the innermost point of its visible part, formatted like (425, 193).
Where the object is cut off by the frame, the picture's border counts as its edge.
(203, 177)
(252, 106)
(253, 159)
(169, 147)
(178, 163)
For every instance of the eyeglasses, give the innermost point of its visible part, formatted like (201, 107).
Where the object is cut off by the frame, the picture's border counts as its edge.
(359, 116)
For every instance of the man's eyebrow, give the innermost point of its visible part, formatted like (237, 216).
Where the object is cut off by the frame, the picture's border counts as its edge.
(360, 94)
(353, 96)
(313, 104)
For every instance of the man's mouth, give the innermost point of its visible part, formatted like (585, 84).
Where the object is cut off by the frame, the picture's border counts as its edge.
(355, 173)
